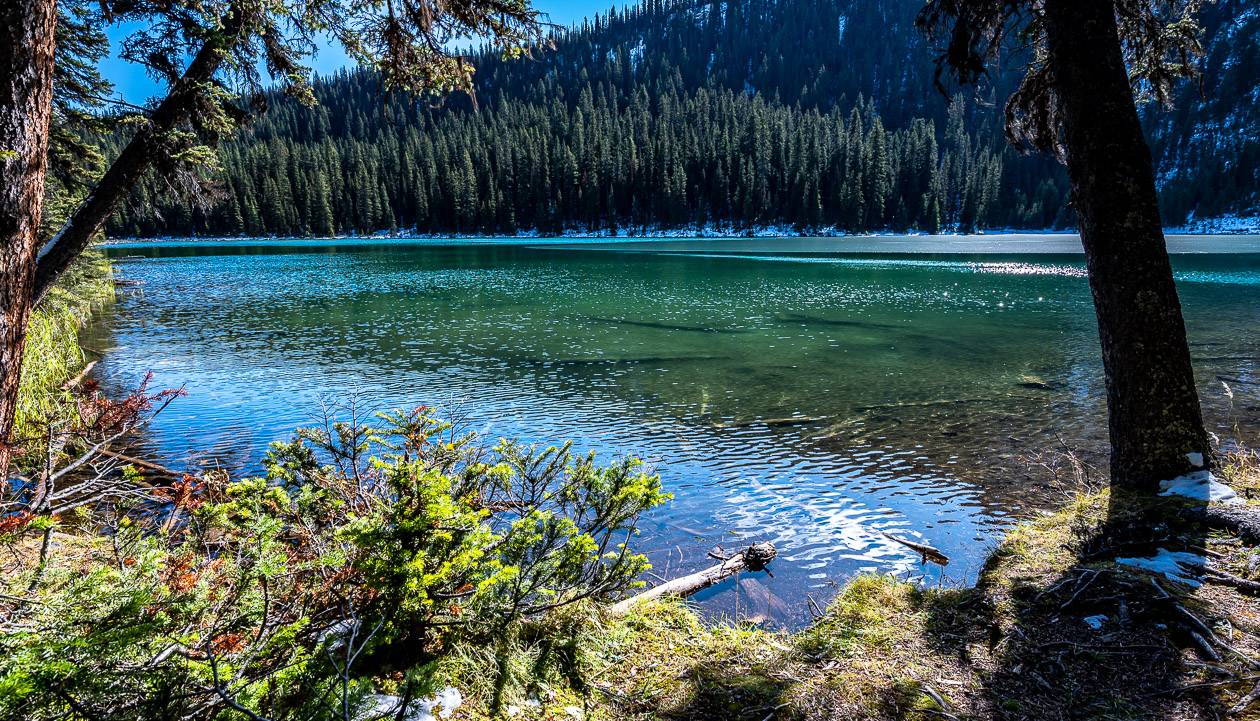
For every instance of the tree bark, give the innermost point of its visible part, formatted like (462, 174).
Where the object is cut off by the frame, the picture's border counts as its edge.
(1154, 418)
(1240, 520)
(136, 158)
(26, 70)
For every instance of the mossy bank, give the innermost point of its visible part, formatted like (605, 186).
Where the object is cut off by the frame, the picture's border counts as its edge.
(53, 356)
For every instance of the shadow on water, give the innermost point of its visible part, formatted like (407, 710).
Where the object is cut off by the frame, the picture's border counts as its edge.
(666, 326)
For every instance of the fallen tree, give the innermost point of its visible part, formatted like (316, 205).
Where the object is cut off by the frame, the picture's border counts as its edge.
(753, 558)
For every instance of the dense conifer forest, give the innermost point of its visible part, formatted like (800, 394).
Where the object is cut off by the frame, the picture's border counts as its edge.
(683, 113)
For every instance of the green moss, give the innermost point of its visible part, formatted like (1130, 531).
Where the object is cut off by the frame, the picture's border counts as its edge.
(53, 355)
(866, 616)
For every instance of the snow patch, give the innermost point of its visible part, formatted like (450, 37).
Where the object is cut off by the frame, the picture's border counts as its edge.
(1200, 485)
(1196, 459)
(1170, 564)
(514, 710)
(1095, 622)
(844, 22)
(440, 706)
(1229, 224)
(636, 54)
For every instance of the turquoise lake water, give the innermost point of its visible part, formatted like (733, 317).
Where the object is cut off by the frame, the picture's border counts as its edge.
(811, 392)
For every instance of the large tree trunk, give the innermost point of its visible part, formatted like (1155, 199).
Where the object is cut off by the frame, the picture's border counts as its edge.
(26, 69)
(1153, 406)
(136, 157)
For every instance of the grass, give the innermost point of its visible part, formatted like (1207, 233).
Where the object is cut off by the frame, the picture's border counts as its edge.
(53, 355)
(1017, 646)
(1240, 469)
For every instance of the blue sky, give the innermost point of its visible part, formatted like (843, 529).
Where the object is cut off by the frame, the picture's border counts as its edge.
(131, 82)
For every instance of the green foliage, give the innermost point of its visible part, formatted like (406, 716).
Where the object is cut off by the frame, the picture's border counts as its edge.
(364, 557)
(52, 355)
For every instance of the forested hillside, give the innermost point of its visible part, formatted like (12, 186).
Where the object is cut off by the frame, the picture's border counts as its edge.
(816, 115)
(1207, 147)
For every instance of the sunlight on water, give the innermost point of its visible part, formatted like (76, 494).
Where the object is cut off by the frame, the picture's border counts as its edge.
(1009, 268)
(816, 403)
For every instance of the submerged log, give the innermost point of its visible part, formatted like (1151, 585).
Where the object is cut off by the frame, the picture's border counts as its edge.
(141, 463)
(753, 558)
(774, 422)
(928, 553)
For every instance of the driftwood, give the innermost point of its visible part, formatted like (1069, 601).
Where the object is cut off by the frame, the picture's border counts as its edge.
(928, 553)
(141, 463)
(75, 381)
(753, 558)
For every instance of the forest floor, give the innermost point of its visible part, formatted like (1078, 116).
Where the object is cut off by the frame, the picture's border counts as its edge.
(1051, 631)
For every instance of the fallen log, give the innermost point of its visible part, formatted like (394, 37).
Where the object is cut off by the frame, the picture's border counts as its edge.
(753, 558)
(926, 552)
(75, 381)
(141, 463)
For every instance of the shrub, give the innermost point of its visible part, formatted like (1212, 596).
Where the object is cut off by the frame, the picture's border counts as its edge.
(366, 554)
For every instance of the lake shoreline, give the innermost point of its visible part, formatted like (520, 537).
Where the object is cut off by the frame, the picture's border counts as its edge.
(990, 244)
(1238, 226)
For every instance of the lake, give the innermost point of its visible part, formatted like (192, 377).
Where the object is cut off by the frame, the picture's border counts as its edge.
(815, 393)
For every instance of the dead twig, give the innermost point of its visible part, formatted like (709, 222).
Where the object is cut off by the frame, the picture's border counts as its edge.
(1083, 584)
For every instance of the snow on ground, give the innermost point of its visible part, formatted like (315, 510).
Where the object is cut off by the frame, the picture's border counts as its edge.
(440, 706)
(636, 54)
(1224, 225)
(1095, 622)
(1200, 485)
(1179, 566)
(1216, 226)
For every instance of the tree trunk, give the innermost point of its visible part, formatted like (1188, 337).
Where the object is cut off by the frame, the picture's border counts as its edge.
(136, 158)
(26, 69)
(1153, 407)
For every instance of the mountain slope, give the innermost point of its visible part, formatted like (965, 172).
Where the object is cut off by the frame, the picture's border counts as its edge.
(1207, 147)
(818, 114)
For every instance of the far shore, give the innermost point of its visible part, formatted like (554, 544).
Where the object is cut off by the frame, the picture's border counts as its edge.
(1005, 242)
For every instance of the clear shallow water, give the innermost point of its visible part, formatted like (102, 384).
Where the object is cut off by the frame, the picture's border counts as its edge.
(811, 392)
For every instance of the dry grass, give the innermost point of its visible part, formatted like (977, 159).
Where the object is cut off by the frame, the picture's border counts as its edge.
(1240, 469)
